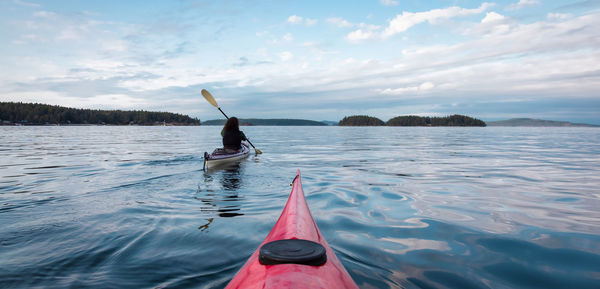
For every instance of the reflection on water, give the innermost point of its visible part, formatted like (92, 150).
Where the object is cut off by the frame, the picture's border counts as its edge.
(205, 226)
(130, 207)
(231, 178)
(218, 193)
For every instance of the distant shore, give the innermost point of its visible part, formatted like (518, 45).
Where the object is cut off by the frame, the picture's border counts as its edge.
(531, 122)
(17, 113)
(269, 122)
(88, 124)
(412, 120)
(35, 114)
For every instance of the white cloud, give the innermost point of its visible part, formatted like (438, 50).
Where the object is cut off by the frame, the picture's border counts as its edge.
(295, 19)
(44, 14)
(360, 35)
(261, 33)
(369, 26)
(339, 22)
(288, 37)
(410, 89)
(115, 100)
(426, 86)
(114, 45)
(53, 27)
(492, 23)
(500, 60)
(535, 59)
(27, 4)
(558, 16)
(492, 17)
(286, 56)
(29, 38)
(406, 20)
(106, 101)
(521, 4)
(70, 33)
(365, 32)
(389, 2)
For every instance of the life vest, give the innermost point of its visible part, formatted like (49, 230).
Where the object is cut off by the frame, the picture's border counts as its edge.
(232, 139)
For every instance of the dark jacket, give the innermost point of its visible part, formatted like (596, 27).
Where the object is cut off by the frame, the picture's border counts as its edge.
(233, 139)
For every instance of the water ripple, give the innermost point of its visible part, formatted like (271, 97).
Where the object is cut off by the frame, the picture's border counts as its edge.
(130, 207)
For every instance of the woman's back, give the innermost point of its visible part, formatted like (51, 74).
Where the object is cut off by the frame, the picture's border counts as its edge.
(232, 136)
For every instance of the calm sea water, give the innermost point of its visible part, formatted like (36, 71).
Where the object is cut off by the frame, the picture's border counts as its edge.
(130, 207)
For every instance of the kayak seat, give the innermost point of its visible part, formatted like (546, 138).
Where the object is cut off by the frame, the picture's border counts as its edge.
(224, 151)
(292, 251)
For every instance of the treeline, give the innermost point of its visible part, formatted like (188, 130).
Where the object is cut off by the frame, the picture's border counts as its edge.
(39, 114)
(453, 120)
(271, 121)
(412, 120)
(361, 120)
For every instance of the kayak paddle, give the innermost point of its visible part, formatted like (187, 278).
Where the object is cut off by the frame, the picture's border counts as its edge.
(212, 101)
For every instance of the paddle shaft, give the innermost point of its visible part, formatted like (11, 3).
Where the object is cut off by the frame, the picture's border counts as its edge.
(223, 113)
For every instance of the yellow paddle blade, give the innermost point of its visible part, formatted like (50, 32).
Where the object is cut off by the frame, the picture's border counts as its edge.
(257, 151)
(209, 98)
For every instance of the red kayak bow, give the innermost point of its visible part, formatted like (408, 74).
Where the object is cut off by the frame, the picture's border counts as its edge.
(294, 254)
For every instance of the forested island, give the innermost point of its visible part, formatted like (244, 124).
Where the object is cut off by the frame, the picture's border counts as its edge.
(412, 120)
(18, 113)
(361, 120)
(453, 120)
(272, 121)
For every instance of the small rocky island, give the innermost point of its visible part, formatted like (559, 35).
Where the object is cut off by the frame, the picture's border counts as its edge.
(412, 120)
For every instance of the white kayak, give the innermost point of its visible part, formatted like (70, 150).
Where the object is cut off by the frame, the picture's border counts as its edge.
(222, 157)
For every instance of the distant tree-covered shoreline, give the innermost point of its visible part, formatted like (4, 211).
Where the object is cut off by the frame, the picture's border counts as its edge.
(361, 120)
(270, 122)
(453, 120)
(412, 120)
(44, 114)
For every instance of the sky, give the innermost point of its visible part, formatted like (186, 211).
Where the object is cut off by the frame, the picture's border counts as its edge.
(319, 60)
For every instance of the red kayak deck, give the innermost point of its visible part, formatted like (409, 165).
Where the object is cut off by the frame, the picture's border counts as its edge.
(295, 222)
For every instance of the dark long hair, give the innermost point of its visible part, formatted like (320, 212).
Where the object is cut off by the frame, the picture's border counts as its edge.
(232, 124)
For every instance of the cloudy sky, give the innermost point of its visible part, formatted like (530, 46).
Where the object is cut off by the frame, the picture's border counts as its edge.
(319, 60)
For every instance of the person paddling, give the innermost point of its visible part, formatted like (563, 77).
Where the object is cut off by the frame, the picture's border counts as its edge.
(232, 135)
(212, 101)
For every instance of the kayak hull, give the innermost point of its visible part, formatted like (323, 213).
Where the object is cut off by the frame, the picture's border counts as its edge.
(295, 222)
(213, 160)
